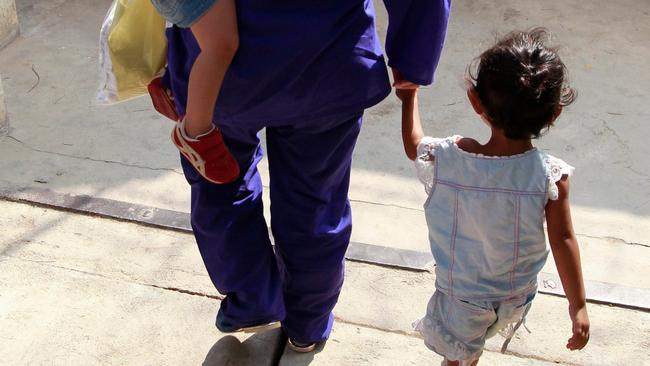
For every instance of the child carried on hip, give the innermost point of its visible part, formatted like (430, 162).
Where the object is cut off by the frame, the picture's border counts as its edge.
(214, 26)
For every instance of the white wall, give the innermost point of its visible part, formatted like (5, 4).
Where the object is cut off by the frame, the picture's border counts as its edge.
(8, 31)
(8, 22)
(3, 112)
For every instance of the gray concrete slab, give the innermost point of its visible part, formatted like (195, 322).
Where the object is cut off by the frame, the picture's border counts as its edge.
(61, 140)
(4, 123)
(610, 260)
(105, 248)
(81, 290)
(62, 316)
(600, 270)
(353, 345)
(122, 152)
(45, 253)
(391, 300)
(601, 134)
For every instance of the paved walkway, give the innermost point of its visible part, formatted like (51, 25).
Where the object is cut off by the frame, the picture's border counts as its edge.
(76, 289)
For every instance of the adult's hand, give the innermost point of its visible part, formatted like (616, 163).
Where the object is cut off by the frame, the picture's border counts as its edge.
(402, 84)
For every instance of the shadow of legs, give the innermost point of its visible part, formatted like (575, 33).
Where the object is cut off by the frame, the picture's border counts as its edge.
(260, 349)
(291, 358)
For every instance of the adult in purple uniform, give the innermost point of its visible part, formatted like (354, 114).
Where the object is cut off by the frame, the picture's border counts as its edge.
(305, 70)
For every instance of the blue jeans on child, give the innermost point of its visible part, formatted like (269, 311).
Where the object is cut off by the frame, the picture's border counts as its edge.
(183, 13)
(457, 329)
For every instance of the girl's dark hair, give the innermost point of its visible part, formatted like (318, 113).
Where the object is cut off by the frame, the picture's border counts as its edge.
(522, 83)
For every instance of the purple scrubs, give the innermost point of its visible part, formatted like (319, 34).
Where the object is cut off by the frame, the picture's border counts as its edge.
(305, 70)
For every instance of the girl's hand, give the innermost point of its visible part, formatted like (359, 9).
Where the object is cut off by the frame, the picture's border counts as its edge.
(580, 321)
(406, 94)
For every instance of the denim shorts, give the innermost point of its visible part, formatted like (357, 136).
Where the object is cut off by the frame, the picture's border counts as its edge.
(183, 13)
(457, 329)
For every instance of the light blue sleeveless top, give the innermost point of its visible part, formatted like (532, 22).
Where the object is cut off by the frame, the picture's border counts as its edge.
(486, 217)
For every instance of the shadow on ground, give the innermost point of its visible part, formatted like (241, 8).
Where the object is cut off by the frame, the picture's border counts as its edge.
(50, 76)
(230, 351)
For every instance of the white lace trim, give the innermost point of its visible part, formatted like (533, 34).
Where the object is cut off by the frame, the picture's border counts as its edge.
(441, 341)
(555, 170)
(492, 157)
(426, 157)
(426, 151)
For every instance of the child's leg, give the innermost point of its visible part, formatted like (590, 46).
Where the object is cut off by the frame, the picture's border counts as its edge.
(217, 36)
(456, 329)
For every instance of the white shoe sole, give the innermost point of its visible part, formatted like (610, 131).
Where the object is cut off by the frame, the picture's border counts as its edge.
(301, 349)
(260, 328)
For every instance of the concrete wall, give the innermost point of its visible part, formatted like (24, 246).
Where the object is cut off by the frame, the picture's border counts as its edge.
(4, 123)
(8, 22)
(8, 31)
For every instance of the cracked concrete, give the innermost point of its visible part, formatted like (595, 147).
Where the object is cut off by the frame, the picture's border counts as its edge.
(148, 274)
(127, 156)
(358, 345)
(48, 263)
(87, 319)
(614, 239)
(61, 140)
(4, 122)
(91, 159)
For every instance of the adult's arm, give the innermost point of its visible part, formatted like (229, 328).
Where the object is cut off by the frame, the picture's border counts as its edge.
(416, 35)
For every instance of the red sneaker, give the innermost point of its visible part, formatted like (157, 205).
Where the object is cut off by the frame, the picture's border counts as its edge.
(208, 154)
(162, 99)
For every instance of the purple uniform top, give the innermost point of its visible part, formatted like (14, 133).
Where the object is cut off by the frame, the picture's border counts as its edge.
(304, 59)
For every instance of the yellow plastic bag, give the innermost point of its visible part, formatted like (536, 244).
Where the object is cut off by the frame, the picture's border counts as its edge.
(132, 50)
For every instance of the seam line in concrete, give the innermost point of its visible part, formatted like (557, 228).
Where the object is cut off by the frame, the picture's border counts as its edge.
(266, 186)
(25, 145)
(387, 205)
(279, 349)
(414, 334)
(48, 263)
(597, 292)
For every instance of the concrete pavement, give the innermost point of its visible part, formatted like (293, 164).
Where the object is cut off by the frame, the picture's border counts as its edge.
(61, 139)
(77, 289)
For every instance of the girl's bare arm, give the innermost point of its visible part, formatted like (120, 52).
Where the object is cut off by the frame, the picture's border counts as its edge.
(567, 259)
(411, 125)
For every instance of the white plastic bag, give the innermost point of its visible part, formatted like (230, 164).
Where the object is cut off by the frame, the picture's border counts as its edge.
(132, 50)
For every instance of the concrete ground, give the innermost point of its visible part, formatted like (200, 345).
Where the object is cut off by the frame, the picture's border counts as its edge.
(77, 289)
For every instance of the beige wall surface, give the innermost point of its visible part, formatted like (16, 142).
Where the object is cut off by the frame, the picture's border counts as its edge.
(8, 22)
(3, 109)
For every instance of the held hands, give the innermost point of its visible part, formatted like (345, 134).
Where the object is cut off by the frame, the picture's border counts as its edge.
(404, 89)
(412, 133)
(580, 321)
(402, 84)
(406, 95)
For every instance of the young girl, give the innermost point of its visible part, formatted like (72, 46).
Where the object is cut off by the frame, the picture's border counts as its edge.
(487, 202)
(214, 25)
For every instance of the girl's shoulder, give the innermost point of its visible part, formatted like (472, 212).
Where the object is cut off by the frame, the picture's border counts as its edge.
(555, 169)
(428, 145)
(426, 155)
(467, 144)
